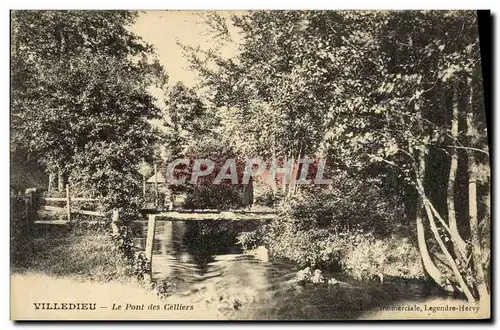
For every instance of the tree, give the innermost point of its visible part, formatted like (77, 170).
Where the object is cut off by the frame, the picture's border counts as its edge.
(406, 125)
(80, 100)
(186, 118)
(378, 94)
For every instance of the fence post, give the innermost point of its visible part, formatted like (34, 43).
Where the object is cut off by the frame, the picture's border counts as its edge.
(68, 203)
(156, 185)
(114, 222)
(150, 238)
(30, 208)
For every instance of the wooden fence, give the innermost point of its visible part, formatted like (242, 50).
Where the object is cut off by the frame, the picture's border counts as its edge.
(69, 208)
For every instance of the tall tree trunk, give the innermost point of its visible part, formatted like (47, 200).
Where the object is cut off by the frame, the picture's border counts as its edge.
(427, 262)
(427, 207)
(274, 186)
(450, 199)
(295, 172)
(285, 179)
(480, 277)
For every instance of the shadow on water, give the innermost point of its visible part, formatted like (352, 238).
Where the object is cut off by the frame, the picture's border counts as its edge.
(206, 265)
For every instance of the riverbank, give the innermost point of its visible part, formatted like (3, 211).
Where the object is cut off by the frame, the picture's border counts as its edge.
(81, 254)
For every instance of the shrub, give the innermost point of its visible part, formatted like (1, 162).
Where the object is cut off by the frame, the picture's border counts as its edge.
(212, 196)
(251, 239)
(369, 257)
(247, 239)
(348, 226)
(344, 205)
(268, 198)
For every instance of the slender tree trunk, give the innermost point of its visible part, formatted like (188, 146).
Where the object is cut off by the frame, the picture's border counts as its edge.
(427, 262)
(49, 188)
(284, 184)
(480, 277)
(52, 177)
(451, 261)
(60, 180)
(156, 185)
(474, 229)
(274, 186)
(295, 172)
(450, 199)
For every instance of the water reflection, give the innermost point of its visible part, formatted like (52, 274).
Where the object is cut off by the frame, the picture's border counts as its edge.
(185, 255)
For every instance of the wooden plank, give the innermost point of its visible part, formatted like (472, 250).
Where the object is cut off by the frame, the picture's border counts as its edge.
(86, 212)
(55, 199)
(62, 209)
(76, 199)
(51, 222)
(266, 211)
(61, 222)
(151, 237)
(221, 215)
(83, 199)
(228, 216)
(198, 219)
(53, 208)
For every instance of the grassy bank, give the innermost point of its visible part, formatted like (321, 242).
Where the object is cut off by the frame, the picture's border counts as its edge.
(83, 254)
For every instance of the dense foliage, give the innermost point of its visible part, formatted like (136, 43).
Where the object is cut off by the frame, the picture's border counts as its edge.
(352, 226)
(390, 96)
(80, 100)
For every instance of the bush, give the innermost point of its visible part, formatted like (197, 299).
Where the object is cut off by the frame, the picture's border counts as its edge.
(368, 258)
(212, 196)
(249, 239)
(268, 197)
(344, 205)
(313, 248)
(348, 226)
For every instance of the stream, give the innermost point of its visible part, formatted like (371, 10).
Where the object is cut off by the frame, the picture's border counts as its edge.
(248, 286)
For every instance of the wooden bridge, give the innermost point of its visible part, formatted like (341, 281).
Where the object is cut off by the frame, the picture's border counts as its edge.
(212, 215)
(151, 215)
(171, 215)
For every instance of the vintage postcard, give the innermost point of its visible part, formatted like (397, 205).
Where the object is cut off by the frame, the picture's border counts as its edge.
(249, 165)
